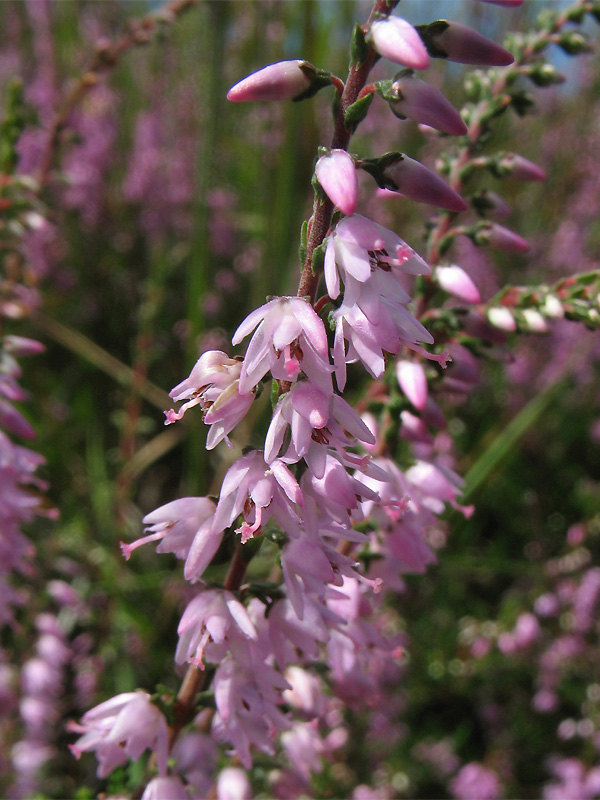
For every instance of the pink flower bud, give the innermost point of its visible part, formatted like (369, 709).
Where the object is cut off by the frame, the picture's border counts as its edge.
(504, 239)
(534, 321)
(413, 382)
(491, 204)
(455, 281)
(416, 181)
(464, 45)
(233, 784)
(337, 175)
(421, 102)
(283, 80)
(526, 631)
(507, 3)
(396, 39)
(502, 318)
(19, 346)
(521, 169)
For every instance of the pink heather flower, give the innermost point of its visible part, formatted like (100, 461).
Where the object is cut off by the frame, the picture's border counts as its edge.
(19, 346)
(494, 206)
(305, 693)
(290, 338)
(317, 421)
(421, 102)
(527, 629)
(358, 247)
(533, 321)
(165, 788)
(283, 80)
(304, 747)
(396, 39)
(212, 617)
(290, 631)
(438, 485)
(521, 169)
(337, 175)
(413, 382)
(120, 729)
(475, 782)
(247, 696)
(182, 527)
(455, 281)
(233, 784)
(258, 491)
(463, 373)
(466, 46)
(414, 180)
(214, 385)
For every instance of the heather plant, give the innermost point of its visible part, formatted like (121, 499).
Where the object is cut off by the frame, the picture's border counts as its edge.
(329, 471)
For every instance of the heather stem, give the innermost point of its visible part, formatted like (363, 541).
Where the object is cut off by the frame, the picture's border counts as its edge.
(321, 218)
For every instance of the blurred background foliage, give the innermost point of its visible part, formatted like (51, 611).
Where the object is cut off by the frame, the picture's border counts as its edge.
(171, 214)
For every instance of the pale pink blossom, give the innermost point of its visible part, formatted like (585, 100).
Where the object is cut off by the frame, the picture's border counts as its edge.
(521, 169)
(214, 385)
(396, 39)
(475, 782)
(120, 729)
(165, 788)
(290, 338)
(182, 527)
(258, 491)
(337, 175)
(215, 617)
(501, 317)
(283, 80)
(233, 784)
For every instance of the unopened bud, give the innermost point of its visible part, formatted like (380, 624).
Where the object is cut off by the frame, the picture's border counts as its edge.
(508, 3)
(501, 238)
(233, 784)
(413, 382)
(455, 281)
(284, 80)
(491, 204)
(396, 39)
(421, 102)
(552, 307)
(500, 317)
(19, 346)
(412, 179)
(521, 169)
(534, 321)
(457, 42)
(337, 175)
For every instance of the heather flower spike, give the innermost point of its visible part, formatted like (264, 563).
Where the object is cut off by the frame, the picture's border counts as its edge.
(337, 175)
(396, 39)
(411, 97)
(457, 42)
(284, 80)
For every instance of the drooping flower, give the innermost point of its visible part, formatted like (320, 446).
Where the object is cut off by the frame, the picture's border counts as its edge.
(120, 729)
(290, 338)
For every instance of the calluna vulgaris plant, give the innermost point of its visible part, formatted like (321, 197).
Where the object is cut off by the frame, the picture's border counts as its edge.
(353, 481)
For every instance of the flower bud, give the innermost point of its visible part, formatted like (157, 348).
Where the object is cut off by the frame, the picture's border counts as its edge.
(396, 39)
(421, 102)
(455, 281)
(413, 382)
(233, 784)
(457, 42)
(501, 238)
(502, 318)
(412, 179)
(508, 3)
(521, 169)
(491, 204)
(337, 175)
(533, 321)
(284, 80)
(552, 307)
